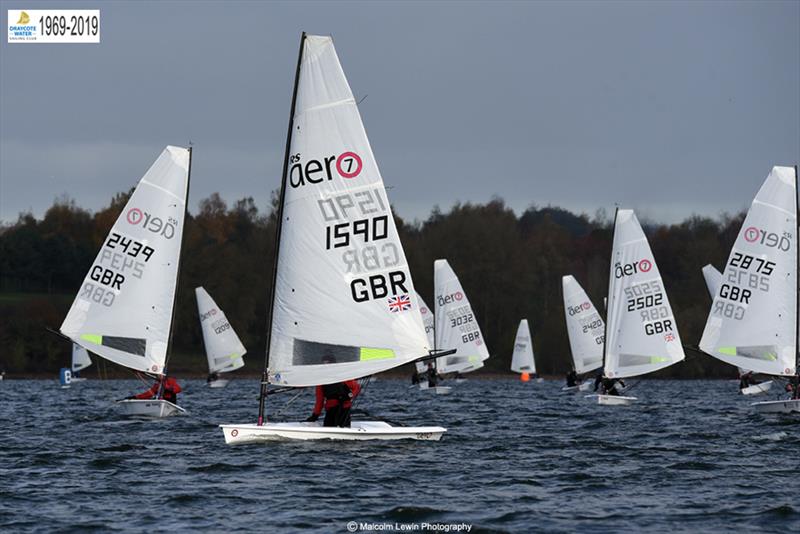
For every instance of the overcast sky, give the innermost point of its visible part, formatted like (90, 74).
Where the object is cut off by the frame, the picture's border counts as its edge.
(671, 108)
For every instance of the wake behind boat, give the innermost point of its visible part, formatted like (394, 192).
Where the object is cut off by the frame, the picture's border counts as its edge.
(343, 302)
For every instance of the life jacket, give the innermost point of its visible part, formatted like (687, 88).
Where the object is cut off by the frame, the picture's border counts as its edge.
(337, 391)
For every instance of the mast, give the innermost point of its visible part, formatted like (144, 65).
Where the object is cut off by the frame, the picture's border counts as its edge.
(279, 225)
(797, 285)
(178, 275)
(608, 299)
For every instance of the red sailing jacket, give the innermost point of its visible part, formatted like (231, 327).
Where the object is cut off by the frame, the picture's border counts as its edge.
(332, 401)
(171, 390)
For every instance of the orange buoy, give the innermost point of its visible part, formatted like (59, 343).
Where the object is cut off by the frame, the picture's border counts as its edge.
(525, 376)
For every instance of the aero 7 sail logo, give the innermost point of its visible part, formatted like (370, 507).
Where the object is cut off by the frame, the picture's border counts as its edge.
(347, 165)
(575, 310)
(449, 299)
(137, 217)
(628, 269)
(769, 239)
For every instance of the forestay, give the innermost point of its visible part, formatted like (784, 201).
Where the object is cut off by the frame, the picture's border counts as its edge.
(585, 327)
(713, 279)
(123, 311)
(80, 358)
(642, 334)
(224, 350)
(522, 357)
(456, 325)
(427, 321)
(345, 305)
(753, 319)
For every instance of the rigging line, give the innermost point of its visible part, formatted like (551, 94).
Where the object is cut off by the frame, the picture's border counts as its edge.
(360, 393)
(290, 401)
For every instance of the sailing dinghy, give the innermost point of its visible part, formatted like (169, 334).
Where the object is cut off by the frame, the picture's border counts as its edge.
(125, 308)
(753, 320)
(522, 361)
(455, 324)
(80, 361)
(586, 331)
(224, 350)
(343, 303)
(641, 333)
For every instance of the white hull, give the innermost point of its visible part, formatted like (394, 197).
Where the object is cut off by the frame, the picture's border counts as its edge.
(460, 380)
(613, 400)
(539, 380)
(779, 406)
(78, 379)
(359, 431)
(219, 383)
(755, 389)
(149, 408)
(439, 390)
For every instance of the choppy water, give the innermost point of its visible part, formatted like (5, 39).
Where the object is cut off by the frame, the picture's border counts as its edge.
(517, 458)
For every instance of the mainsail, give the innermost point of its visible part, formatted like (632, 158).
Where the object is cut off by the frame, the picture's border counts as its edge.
(123, 311)
(224, 350)
(344, 303)
(585, 327)
(522, 357)
(753, 319)
(713, 279)
(642, 335)
(80, 358)
(456, 325)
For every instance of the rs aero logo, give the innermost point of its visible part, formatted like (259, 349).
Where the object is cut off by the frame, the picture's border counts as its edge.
(157, 225)
(314, 171)
(449, 299)
(210, 313)
(768, 239)
(641, 266)
(575, 310)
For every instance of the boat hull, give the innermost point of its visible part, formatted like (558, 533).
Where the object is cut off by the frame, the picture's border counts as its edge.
(583, 386)
(359, 431)
(613, 400)
(149, 408)
(779, 406)
(439, 390)
(219, 383)
(755, 389)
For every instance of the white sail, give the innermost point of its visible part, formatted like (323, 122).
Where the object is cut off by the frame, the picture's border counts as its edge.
(713, 279)
(344, 291)
(522, 357)
(456, 325)
(80, 358)
(753, 319)
(642, 335)
(585, 327)
(123, 311)
(427, 321)
(224, 350)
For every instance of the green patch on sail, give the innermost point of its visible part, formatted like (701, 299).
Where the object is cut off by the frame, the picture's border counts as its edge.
(729, 351)
(368, 354)
(658, 359)
(92, 338)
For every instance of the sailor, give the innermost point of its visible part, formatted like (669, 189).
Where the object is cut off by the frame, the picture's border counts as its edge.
(337, 400)
(213, 377)
(432, 375)
(598, 379)
(572, 379)
(610, 386)
(168, 386)
(746, 380)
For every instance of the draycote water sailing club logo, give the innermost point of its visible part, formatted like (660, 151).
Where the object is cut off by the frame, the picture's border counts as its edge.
(628, 269)
(348, 165)
(769, 239)
(157, 225)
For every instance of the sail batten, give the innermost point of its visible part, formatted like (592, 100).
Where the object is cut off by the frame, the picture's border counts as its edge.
(124, 309)
(753, 319)
(642, 335)
(344, 303)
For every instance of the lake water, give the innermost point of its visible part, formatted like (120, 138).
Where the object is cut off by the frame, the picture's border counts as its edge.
(691, 456)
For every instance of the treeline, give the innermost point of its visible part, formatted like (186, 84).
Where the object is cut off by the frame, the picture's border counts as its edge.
(510, 266)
